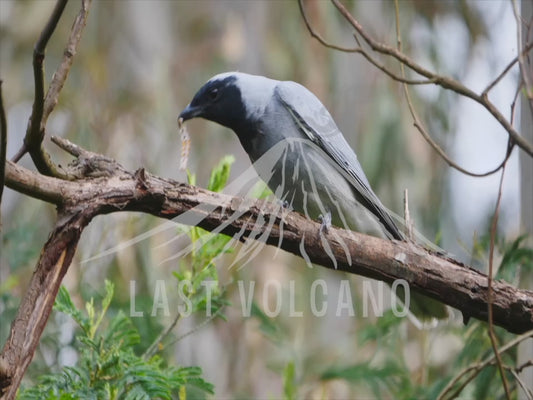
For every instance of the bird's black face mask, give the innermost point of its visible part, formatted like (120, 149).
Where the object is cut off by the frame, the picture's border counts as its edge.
(219, 101)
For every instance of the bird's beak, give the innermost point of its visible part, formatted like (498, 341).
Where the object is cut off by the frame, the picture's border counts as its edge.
(190, 112)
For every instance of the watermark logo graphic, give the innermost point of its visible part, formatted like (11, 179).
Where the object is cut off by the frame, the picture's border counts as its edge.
(275, 296)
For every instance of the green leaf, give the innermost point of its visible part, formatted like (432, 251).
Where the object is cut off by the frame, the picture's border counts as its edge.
(107, 367)
(384, 326)
(515, 256)
(220, 174)
(260, 190)
(483, 389)
(289, 387)
(270, 329)
(192, 376)
(109, 290)
(65, 305)
(121, 331)
(191, 178)
(389, 376)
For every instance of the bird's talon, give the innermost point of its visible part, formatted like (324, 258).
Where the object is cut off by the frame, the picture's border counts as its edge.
(325, 222)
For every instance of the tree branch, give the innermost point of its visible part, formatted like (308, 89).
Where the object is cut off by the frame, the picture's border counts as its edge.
(504, 72)
(108, 187)
(103, 186)
(61, 74)
(358, 50)
(492, 336)
(525, 70)
(420, 127)
(35, 308)
(440, 80)
(43, 106)
(34, 134)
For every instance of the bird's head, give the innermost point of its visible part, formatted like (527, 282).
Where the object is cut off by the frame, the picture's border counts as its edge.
(232, 99)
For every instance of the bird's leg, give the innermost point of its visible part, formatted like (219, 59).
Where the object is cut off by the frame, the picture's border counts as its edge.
(325, 222)
(284, 204)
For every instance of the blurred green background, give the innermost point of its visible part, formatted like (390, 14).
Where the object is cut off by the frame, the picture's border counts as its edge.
(140, 62)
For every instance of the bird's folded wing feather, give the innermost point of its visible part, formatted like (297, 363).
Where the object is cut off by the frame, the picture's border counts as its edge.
(318, 125)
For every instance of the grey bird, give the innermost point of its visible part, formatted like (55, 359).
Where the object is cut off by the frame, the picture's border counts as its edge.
(317, 172)
(296, 148)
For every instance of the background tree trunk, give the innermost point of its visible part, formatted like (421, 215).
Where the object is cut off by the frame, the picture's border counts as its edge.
(525, 349)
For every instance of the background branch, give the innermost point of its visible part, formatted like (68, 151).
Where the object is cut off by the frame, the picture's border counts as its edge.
(475, 369)
(420, 127)
(440, 80)
(492, 336)
(524, 70)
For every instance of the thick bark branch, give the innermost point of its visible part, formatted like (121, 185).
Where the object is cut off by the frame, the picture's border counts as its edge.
(116, 189)
(102, 186)
(38, 301)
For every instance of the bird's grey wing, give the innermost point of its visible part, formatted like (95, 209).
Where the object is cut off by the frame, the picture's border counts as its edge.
(317, 124)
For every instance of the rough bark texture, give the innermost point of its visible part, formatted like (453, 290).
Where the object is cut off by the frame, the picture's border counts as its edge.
(99, 185)
(39, 299)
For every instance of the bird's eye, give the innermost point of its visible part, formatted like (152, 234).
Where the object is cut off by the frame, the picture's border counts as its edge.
(213, 94)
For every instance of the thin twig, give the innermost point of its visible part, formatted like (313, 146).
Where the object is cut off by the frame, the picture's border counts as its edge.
(404, 80)
(478, 367)
(154, 347)
(491, 85)
(474, 370)
(358, 50)
(525, 389)
(61, 74)
(407, 215)
(441, 80)
(515, 99)
(527, 364)
(71, 148)
(391, 74)
(197, 327)
(319, 37)
(420, 127)
(34, 133)
(525, 71)
(493, 340)
(43, 106)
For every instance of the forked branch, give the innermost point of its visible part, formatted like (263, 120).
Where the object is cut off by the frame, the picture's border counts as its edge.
(44, 104)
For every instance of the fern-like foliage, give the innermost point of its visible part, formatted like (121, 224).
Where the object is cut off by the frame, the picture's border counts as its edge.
(107, 367)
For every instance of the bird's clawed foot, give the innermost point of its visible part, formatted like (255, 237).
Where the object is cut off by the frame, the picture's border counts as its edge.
(325, 222)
